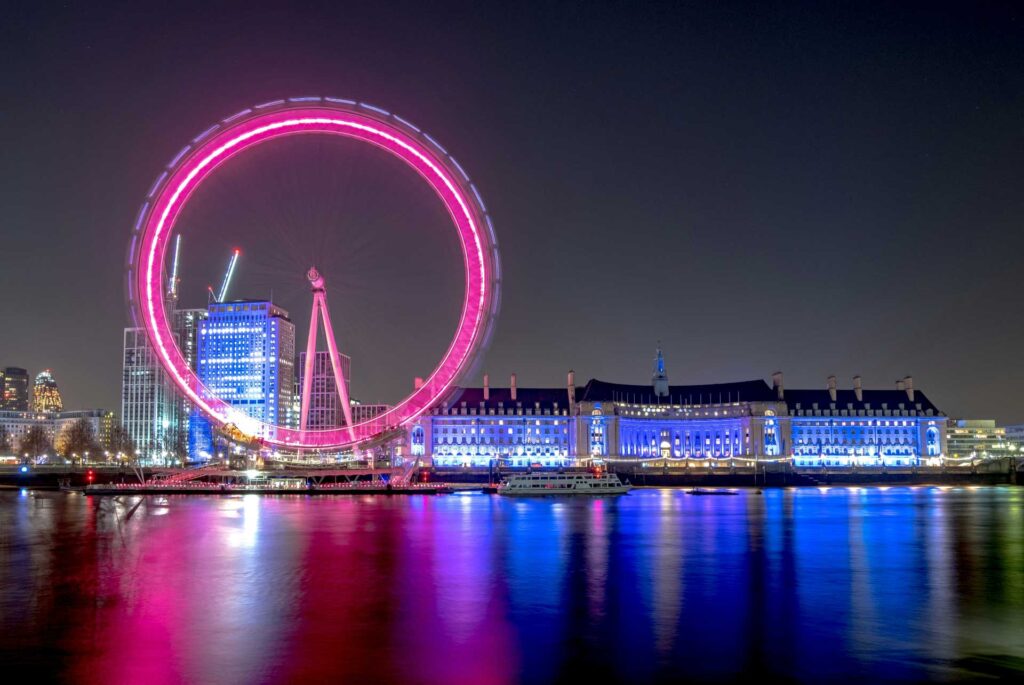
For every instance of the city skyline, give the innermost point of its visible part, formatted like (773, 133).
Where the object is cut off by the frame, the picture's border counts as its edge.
(733, 214)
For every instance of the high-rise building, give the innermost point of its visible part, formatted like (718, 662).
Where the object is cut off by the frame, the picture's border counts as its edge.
(246, 357)
(45, 393)
(324, 402)
(150, 407)
(15, 389)
(190, 420)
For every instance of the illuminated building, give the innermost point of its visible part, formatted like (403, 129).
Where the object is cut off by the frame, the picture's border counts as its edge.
(45, 394)
(15, 389)
(246, 357)
(150, 407)
(513, 426)
(979, 439)
(703, 425)
(324, 403)
(1015, 434)
(17, 423)
(191, 422)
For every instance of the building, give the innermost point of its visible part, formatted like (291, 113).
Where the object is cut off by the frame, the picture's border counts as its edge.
(364, 412)
(737, 423)
(45, 393)
(15, 389)
(324, 402)
(1015, 434)
(18, 423)
(191, 421)
(979, 439)
(246, 357)
(150, 406)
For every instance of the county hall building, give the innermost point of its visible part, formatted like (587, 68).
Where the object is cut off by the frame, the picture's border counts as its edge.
(704, 425)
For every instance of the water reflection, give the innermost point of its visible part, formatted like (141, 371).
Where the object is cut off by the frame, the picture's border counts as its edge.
(861, 583)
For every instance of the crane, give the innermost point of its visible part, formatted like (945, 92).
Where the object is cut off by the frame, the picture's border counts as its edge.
(227, 276)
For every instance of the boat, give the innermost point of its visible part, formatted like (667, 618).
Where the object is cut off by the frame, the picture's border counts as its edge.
(533, 484)
(701, 491)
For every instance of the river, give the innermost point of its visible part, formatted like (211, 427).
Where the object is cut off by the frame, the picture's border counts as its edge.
(842, 584)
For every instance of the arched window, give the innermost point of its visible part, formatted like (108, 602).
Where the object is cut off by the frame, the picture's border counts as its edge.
(417, 441)
(931, 441)
(771, 437)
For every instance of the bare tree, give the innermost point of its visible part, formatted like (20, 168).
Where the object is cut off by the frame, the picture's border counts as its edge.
(35, 442)
(5, 440)
(77, 439)
(120, 442)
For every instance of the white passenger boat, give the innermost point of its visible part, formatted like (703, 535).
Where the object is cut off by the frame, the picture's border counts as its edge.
(527, 484)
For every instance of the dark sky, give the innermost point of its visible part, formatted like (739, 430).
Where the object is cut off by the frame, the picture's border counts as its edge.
(812, 187)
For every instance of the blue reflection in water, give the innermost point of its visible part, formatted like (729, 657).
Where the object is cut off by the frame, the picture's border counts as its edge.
(841, 583)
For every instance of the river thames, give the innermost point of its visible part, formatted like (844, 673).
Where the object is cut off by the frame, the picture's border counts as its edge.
(840, 584)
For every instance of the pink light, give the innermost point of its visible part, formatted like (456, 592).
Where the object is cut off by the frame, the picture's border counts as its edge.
(479, 257)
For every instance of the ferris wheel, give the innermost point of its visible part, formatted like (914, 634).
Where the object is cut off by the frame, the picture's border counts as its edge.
(154, 226)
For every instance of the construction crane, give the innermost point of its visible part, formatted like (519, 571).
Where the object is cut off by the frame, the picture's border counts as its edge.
(222, 295)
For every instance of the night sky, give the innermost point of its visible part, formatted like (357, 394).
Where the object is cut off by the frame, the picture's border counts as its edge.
(763, 186)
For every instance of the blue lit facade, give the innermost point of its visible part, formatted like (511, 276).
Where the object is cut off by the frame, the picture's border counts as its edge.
(731, 424)
(498, 426)
(246, 353)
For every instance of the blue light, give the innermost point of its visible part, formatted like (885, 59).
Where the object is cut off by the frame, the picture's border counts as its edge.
(375, 109)
(436, 144)
(403, 121)
(177, 158)
(157, 184)
(236, 116)
(206, 133)
(24, 469)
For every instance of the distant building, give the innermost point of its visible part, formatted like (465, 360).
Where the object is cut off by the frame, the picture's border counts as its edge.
(45, 393)
(17, 423)
(15, 389)
(150, 406)
(979, 439)
(324, 402)
(364, 412)
(1015, 434)
(246, 357)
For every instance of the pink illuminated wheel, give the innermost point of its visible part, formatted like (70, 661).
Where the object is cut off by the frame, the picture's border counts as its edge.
(315, 115)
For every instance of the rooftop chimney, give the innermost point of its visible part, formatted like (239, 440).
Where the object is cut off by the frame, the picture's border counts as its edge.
(571, 388)
(487, 387)
(832, 387)
(908, 383)
(900, 386)
(857, 390)
(512, 387)
(777, 383)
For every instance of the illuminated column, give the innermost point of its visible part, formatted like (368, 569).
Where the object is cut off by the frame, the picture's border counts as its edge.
(320, 305)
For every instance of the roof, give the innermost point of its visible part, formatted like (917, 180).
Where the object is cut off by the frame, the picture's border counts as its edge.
(527, 397)
(713, 393)
(847, 399)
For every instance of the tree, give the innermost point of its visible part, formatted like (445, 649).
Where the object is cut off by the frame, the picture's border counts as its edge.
(35, 442)
(5, 440)
(120, 442)
(78, 438)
